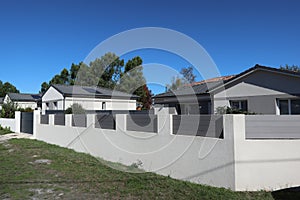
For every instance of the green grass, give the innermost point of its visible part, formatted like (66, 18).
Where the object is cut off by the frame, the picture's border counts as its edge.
(72, 175)
(4, 130)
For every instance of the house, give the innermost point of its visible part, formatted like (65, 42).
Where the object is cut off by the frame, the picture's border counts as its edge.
(260, 89)
(61, 97)
(23, 100)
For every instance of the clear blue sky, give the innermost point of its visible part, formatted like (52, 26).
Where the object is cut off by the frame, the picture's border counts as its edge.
(39, 38)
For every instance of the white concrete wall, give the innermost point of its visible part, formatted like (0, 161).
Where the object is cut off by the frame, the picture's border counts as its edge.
(13, 123)
(264, 164)
(6, 122)
(232, 162)
(197, 159)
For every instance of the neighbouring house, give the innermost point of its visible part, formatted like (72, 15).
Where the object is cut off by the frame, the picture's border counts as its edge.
(260, 89)
(61, 97)
(22, 100)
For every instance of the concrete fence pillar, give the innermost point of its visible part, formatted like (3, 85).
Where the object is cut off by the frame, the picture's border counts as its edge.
(17, 121)
(68, 120)
(121, 122)
(90, 120)
(164, 124)
(51, 120)
(36, 121)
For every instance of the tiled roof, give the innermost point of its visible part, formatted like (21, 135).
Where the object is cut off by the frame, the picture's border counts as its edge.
(203, 87)
(24, 97)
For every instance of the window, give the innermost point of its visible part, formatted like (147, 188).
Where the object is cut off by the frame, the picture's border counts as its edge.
(239, 104)
(47, 106)
(103, 106)
(289, 106)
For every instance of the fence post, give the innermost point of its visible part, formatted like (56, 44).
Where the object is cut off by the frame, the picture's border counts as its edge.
(164, 124)
(17, 121)
(68, 120)
(121, 122)
(51, 120)
(36, 121)
(90, 120)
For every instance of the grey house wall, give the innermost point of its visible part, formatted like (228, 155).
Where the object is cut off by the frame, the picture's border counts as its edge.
(261, 89)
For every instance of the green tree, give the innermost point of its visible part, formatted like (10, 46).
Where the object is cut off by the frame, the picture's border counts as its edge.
(44, 87)
(133, 81)
(294, 68)
(7, 88)
(8, 110)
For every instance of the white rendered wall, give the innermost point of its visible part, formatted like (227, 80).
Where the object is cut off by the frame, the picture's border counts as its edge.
(196, 159)
(11, 123)
(265, 164)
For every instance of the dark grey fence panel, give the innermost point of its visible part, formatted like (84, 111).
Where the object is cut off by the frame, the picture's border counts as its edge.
(27, 122)
(44, 119)
(79, 120)
(59, 119)
(143, 123)
(105, 121)
(198, 125)
(272, 127)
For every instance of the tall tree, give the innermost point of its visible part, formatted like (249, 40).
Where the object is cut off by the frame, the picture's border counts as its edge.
(133, 81)
(44, 87)
(7, 88)
(188, 74)
(294, 68)
(176, 83)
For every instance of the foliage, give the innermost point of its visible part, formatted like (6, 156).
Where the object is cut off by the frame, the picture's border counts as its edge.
(132, 81)
(8, 110)
(4, 130)
(294, 68)
(107, 71)
(229, 110)
(178, 82)
(28, 109)
(73, 175)
(188, 74)
(76, 108)
(7, 88)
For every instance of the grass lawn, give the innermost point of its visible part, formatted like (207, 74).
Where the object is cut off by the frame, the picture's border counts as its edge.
(71, 175)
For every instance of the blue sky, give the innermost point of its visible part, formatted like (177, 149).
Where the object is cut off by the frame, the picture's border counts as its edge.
(39, 38)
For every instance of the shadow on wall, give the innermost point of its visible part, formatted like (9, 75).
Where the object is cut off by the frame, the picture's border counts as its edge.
(287, 194)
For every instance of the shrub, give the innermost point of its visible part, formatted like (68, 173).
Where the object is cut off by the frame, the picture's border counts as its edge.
(28, 109)
(76, 108)
(4, 130)
(228, 110)
(8, 110)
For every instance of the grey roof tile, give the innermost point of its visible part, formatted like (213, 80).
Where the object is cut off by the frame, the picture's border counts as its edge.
(87, 91)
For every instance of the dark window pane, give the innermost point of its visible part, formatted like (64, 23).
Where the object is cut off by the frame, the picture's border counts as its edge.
(295, 107)
(244, 106)
(235, 104)
(284, 107)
